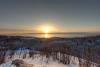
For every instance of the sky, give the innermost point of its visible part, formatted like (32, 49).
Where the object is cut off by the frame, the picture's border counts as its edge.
(62, 15)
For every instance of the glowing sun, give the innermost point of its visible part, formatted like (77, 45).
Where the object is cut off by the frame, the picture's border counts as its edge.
(46, 29)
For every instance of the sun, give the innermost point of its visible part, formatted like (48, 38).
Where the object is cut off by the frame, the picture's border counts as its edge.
(46, 29)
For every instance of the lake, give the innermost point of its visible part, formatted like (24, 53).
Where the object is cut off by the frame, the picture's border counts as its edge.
(63, 35)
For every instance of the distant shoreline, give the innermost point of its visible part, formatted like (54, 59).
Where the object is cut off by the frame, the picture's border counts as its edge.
(1, 35)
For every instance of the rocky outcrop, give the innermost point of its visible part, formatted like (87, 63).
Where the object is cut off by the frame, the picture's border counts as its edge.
(20, 63)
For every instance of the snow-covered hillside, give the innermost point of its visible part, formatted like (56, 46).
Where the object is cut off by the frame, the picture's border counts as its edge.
(37, 60)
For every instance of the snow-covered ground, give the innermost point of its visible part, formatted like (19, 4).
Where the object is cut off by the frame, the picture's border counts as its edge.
(37, 60)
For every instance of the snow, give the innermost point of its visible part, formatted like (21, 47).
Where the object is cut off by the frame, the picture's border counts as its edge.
(37, 60)
(38, 63)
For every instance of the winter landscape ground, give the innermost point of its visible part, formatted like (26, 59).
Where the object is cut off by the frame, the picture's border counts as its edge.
(50, 52)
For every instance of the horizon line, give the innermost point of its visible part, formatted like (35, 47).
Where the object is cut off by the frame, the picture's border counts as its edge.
(61, 33)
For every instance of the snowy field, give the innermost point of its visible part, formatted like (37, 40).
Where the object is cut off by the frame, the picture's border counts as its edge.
(37, 60)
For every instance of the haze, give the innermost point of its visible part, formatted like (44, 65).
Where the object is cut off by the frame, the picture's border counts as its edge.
(18, 16)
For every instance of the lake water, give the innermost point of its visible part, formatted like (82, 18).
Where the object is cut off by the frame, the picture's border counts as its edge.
(63, 35)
